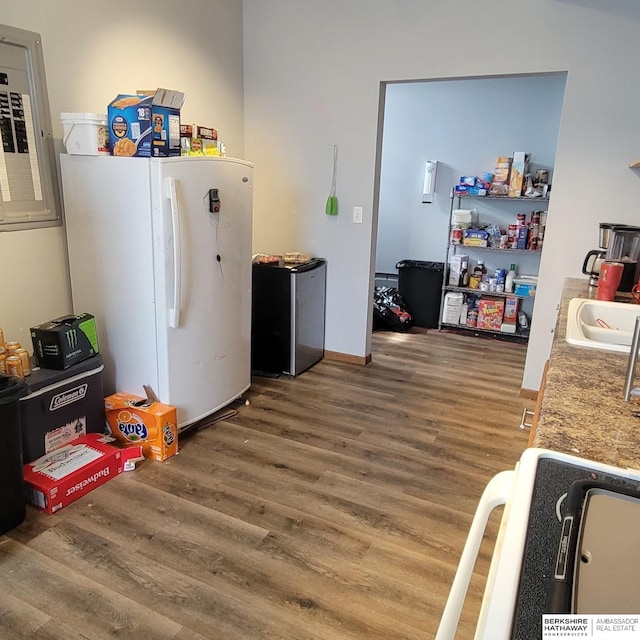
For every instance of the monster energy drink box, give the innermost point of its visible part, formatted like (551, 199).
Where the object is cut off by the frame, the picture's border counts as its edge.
(60, 406)
(65, 341)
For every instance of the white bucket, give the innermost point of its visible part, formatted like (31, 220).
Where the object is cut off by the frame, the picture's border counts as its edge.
(85, 134)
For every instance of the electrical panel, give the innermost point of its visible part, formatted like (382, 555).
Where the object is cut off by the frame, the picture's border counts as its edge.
(29, 195)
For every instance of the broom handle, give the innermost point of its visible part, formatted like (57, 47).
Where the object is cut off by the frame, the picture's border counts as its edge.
(335, 169)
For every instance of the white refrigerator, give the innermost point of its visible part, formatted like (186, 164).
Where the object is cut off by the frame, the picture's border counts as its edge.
(160, 254)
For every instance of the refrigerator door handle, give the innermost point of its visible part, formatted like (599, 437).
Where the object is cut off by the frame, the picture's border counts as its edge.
(174, 312)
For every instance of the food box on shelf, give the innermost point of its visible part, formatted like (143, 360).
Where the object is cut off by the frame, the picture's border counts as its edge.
(502, 170)
(518, 170)
(455, 268)
(490, 313)
(525, 285)
(475, 238)
(509, 321)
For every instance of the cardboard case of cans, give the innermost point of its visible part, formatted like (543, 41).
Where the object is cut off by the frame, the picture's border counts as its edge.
(70, 472)
(134, 420)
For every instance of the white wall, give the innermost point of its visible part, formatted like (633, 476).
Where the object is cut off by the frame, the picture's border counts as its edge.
(312, 77)
(465, 125)
(93, 52)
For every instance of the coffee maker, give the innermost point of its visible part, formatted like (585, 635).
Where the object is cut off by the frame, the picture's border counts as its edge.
(624, 246)
(594, 259)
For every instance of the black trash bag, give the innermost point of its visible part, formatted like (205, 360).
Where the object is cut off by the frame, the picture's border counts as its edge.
(13, 505)
(389, 310)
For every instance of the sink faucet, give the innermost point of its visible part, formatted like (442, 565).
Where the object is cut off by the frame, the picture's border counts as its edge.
(629, 389)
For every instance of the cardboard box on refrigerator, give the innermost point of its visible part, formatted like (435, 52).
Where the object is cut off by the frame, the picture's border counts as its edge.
(129, 119)
(135, 420)
(145, 124)
(61, 477)
(165, 123)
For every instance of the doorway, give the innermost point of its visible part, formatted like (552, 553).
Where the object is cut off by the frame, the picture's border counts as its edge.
(464, 125)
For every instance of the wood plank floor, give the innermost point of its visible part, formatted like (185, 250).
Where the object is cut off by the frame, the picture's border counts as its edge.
(334, 506)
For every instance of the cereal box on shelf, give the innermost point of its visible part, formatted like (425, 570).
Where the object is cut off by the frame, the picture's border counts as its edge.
(490, 313)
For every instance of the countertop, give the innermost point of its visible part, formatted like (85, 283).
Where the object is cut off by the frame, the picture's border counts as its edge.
(582, 411)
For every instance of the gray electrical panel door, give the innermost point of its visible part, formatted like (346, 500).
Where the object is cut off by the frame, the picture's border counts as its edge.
(28, 180)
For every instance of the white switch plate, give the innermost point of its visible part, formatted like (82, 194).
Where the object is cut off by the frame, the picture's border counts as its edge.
(357, 215)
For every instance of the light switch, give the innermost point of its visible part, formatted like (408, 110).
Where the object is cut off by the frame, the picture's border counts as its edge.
(357, 215)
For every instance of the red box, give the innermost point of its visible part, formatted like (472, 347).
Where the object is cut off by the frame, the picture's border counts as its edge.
(490, 313)
(70, 472)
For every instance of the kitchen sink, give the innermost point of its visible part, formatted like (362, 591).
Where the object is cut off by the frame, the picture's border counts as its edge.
(600, 324)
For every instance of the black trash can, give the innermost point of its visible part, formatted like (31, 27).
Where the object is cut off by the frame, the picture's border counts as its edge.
(420, 285)
(13, 506)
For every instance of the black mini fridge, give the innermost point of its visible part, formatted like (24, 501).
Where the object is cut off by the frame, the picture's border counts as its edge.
(288, 307)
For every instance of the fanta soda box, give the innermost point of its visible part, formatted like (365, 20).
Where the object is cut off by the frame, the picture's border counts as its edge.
(135, 420)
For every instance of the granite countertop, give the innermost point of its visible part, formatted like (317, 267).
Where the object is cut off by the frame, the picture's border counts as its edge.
(582, 411)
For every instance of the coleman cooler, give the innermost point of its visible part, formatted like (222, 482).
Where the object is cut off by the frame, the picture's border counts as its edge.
(61, 405)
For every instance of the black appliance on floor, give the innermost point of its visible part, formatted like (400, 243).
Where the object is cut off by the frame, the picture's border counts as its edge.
(287, 325)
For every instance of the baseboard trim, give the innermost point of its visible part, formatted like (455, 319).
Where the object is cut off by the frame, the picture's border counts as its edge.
(336, 356)
(529, 394)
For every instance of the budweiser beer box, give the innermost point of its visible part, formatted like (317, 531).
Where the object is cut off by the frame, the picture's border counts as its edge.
(70, 472)
(134, 420)
(61, 406)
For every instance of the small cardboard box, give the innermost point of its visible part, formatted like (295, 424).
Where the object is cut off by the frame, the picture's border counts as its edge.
(518, 170)
(64, 341)
(490, 313)
(475, 238)
(196, 140)
(455, 268)
(510, 310)
(524, 286)
(165, 121)
(510, 315)
(59, 478)
(145, 124)
(129, 118)
(140, 421)
(502, 170)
